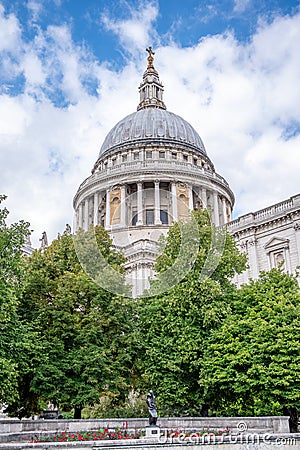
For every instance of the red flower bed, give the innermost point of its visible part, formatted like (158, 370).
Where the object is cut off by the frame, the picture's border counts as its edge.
(96, 435)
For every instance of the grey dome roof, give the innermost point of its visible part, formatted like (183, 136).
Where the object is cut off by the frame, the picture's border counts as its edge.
(152, 125)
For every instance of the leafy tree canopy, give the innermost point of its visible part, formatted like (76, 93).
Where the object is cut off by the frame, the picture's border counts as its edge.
(83, 329)
(251, 364)
(174, 326)
(12, 238)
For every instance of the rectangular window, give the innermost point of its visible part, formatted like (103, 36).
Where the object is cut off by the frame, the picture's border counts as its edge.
(174, 155)
(164, 217)
(149, 216)
(148, 155)
(195, 161)
(162, 155)
(124, 158)
(136, 156)
(185, 157)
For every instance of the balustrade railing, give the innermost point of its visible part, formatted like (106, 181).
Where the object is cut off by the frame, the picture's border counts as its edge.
(152, 164)
(286, 205)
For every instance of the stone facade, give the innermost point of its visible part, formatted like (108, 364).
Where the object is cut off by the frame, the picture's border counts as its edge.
(270, 237)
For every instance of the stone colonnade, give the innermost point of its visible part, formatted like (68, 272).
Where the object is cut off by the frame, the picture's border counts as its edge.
(118, 204)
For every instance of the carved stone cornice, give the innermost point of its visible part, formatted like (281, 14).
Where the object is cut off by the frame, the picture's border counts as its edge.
(243, 245)
(296, 226)
(134, 266)
(252, 242)
(270, 224)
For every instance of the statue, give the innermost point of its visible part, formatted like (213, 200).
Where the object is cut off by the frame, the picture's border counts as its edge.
(150, 57)
(68, 229)
(44, 241)
(152, 408)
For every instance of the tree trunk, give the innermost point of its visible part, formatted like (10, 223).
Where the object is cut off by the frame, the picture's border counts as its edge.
(77, 412)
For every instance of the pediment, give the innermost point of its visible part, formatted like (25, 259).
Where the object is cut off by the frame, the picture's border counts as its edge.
(277, 243)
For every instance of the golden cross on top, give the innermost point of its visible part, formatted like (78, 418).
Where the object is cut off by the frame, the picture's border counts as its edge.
(150, 57)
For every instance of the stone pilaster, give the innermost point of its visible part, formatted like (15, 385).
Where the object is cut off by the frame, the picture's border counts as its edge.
(297, 235)
(253, 260)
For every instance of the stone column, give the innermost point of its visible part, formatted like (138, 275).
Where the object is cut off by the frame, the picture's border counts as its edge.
(139, 203)
(123, 206)
(147, 273)
(157, 220)
(174, 202)
(204, 197)
(140, 279)
(80, 216)
(96, 201)
(107, 212)
(216, 209)
(224, 210)
(287, 259)
(86, 214)
(191, 201)
(134, 276)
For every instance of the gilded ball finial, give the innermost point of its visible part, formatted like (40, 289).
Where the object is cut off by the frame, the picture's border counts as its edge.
(150, 57)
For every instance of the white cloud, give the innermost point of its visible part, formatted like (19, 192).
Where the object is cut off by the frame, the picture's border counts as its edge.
(35, 8)
(10, 31)
(33, 69)
(241, 5)
(13, 117)
(137, 31)
(243, 99)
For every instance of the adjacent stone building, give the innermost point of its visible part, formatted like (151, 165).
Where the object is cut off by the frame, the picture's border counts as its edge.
(151, 171)
(270, 237)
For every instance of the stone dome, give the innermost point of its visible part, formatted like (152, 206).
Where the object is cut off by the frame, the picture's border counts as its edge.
(153, 125)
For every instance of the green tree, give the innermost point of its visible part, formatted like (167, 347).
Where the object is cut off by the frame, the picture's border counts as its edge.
(174, 326)
(84, 330)
(12, 335)
(251, 364)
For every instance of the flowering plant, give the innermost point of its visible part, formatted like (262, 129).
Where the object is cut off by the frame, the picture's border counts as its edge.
(193, 433)
(94, 435)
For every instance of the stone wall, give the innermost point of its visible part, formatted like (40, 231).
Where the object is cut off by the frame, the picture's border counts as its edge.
(270, 238)
(13, 430)
(241, 442)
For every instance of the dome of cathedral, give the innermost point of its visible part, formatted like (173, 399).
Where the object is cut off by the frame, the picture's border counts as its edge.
(155, 125)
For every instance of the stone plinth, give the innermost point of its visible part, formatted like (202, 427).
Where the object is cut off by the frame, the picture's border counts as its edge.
(152, 432)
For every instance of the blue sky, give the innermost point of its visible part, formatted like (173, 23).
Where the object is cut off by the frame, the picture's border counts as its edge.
(70, 69)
